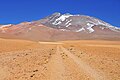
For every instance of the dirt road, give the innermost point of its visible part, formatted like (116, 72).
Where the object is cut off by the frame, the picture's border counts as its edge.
(85, 67)
(51, 61)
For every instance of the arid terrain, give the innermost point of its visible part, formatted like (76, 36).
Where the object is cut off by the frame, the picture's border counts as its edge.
(63, 60)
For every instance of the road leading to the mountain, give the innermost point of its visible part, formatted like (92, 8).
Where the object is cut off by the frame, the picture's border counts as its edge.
(56, 67)
(86, 68)
(58, 70)
(52, 63)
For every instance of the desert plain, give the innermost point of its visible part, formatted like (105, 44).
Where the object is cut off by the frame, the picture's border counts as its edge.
(62, 60)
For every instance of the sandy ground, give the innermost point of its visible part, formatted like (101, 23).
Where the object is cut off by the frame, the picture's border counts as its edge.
(66, 60)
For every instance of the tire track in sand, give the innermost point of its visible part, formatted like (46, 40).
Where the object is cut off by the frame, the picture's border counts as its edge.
(56, 67)
(86, 68)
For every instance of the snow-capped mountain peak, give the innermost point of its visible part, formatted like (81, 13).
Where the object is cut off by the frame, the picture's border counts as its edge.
(69, 22)
(76, 22)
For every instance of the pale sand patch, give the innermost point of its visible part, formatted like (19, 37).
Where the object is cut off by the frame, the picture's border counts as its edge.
(3, 73)
(50, 43)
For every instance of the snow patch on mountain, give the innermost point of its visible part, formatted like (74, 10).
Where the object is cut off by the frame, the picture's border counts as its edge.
(99, 22)
(55, 15)
(90, 27)
(68, 25)
(82, 29)
(68, 21)
(61, 19)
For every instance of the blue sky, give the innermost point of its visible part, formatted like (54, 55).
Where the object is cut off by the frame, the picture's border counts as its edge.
(16, 11)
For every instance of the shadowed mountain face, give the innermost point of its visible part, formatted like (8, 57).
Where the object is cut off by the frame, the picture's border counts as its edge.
(61, 27)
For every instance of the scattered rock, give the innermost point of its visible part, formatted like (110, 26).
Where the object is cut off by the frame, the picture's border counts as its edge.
(32, 75)
(35, 70)
(50, 54)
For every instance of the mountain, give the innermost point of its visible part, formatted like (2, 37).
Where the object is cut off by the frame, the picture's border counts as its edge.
(75, 23)
(58, 27)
